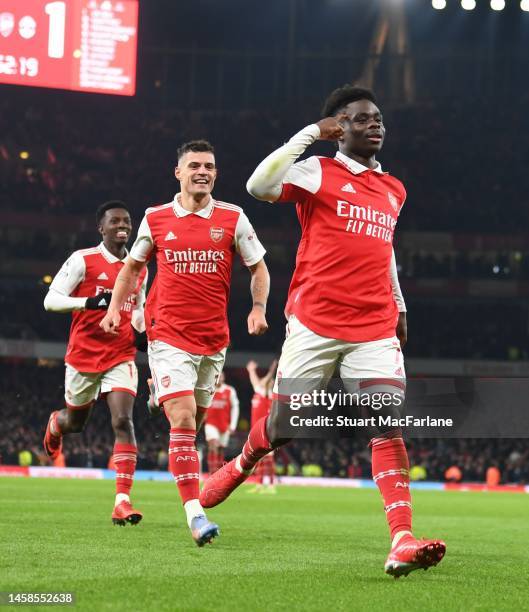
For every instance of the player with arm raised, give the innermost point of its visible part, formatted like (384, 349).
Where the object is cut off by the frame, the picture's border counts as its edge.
(194, 239)
(344, 304)
(261, 406)
(221, 421)
(94, 365)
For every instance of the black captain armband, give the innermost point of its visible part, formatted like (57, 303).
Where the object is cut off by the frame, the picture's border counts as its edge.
(99, 302)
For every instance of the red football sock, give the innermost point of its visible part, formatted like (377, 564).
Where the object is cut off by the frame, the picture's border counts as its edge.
(125, 461)
(391, 473)
(268, 468)
(183, 462)
(213, 463)
(257, 445)
(220, 458)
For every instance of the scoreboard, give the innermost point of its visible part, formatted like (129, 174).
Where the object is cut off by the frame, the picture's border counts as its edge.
(80, 45)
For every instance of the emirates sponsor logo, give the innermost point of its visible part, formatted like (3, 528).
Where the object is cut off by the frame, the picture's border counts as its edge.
(216, 233)
(166, 381)
(366, 220)
(393, 201)
(194, 261)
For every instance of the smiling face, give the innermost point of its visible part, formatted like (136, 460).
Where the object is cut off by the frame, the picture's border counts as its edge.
(364, 131)
(196, 172)
(115, 226)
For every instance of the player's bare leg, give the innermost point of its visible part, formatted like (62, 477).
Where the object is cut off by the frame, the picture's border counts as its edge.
(62, 422)
(121, 405)
(184, 465)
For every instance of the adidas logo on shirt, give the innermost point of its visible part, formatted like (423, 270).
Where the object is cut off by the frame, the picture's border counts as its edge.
(349, 188)
(102, 276)
(170, 236)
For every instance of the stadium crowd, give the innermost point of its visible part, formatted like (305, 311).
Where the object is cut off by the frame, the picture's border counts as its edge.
(25, 408)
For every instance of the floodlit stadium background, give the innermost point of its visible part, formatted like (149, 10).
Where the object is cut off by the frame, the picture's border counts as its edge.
(246, 75)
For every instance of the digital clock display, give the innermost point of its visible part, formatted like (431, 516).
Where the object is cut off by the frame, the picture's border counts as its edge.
(81, 45)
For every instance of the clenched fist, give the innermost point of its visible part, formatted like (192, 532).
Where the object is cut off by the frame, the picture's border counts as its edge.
(331, 128)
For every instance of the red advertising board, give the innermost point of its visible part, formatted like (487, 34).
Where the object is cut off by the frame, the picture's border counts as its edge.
(81, 45)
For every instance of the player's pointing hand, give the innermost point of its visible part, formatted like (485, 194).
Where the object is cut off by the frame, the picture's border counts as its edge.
(110, 322)
(331, 128)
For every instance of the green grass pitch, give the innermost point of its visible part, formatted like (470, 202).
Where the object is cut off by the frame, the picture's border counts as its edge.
(303, 549)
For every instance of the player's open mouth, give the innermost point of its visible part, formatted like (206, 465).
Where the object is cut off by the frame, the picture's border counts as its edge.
(122, 234)
(201, 182)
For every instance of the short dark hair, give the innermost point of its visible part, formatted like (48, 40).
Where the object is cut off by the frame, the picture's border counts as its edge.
(196, 146)
(343, 96)
(100, 212)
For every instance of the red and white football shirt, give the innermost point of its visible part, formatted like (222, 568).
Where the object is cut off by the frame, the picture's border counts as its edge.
(224, 410)
(87, 273)
(341, 287)
(187, 304)
(261, 406)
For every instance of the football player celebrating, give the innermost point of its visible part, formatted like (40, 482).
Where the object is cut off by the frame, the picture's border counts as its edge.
(194, 239)
(95, 365)
(345, 308)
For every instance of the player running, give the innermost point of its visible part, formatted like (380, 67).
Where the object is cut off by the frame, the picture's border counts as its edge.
(194, 239)
(344, 304)
(221, 421)
(261, 406)
(94, 365)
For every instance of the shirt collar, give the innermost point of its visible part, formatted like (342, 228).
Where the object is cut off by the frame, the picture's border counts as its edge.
(354, 166)
(180, 211)
(108, 255)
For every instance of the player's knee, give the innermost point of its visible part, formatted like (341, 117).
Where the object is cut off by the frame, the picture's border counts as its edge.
(274, 430)
(383, 407)
(181, 412)
(123, 424)
(77, 422)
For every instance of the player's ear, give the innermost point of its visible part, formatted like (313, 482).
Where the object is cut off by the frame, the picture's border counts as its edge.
(177, 173)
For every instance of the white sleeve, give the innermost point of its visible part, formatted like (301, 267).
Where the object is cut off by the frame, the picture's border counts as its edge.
(266, 182)
(138, 315)
(234, 401)
(246, 242)
(143, 245)
(395, 285)
(72, 273)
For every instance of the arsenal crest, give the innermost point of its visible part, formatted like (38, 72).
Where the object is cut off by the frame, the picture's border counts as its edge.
(216, 233)
(393, 201)
(166, 381)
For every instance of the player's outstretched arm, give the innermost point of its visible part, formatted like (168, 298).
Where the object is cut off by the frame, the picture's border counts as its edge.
(123, 287)
(266, 182)
(71, 274)
(259, 288)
